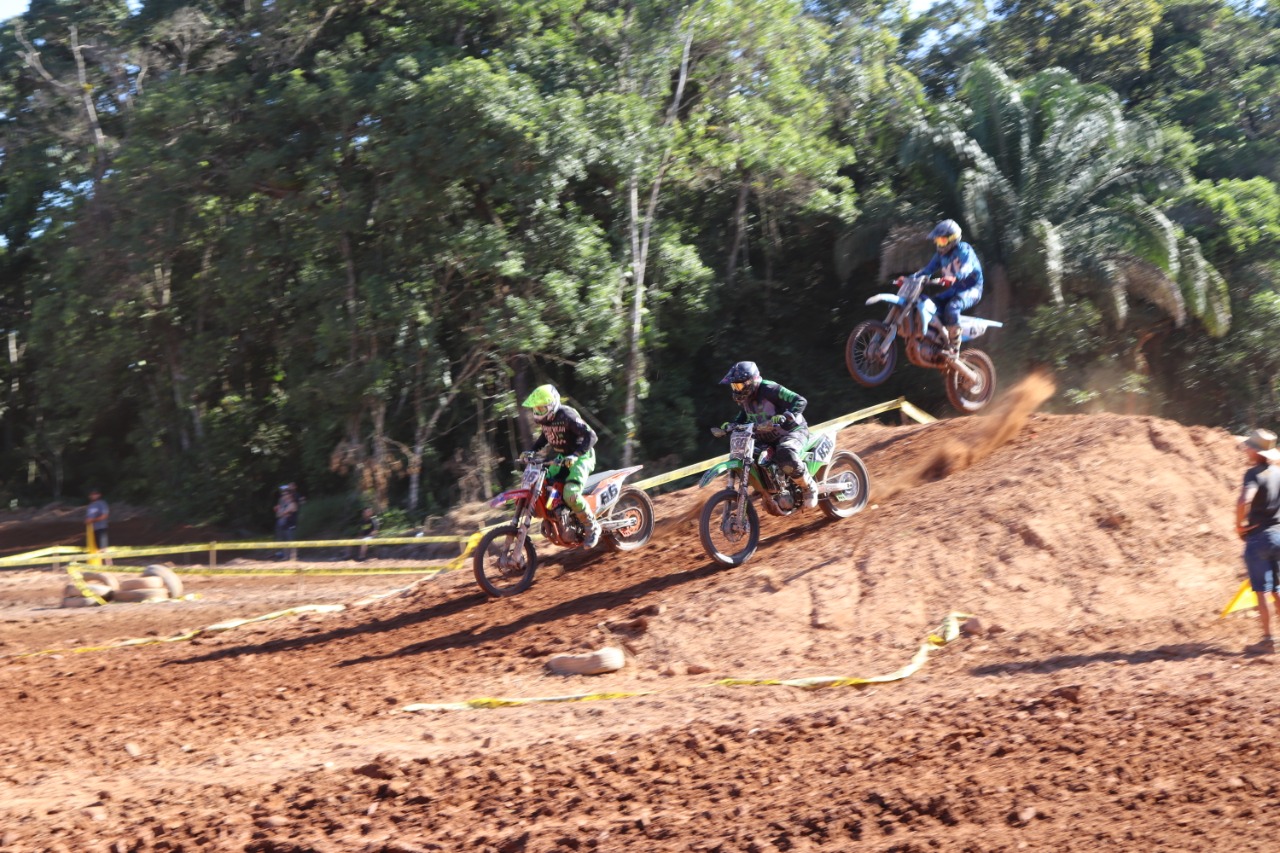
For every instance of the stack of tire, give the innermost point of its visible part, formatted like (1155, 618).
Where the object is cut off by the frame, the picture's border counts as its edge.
(157, 583)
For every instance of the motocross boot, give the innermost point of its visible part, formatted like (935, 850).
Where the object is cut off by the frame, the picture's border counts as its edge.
(809, 488)
(953, 338)
(591, 530)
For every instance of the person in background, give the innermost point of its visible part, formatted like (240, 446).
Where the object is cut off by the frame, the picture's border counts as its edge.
(369, 527)
(1258, 523)
(96, 515)
(286, 516)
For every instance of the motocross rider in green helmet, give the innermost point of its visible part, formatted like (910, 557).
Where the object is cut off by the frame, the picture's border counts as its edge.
(574, 442)
(765, 402)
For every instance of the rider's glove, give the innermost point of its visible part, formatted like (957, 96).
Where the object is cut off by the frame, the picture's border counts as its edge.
(948, 281)
(726, 425)
(527, 456)
(568, 461)
(786, 420)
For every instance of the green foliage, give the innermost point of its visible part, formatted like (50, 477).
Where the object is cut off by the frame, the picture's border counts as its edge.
(335, 243)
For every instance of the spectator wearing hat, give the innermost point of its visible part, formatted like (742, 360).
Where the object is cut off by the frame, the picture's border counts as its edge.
(1258, 522)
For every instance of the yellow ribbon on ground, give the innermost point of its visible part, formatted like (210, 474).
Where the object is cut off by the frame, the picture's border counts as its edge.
(225, 625)
(1244, 598)
(945, 633)
(73, 571)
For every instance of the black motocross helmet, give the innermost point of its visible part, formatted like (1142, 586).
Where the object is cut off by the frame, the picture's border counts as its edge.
(743, 379)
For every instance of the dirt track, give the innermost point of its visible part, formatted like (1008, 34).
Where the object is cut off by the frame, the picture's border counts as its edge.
(1106, 707)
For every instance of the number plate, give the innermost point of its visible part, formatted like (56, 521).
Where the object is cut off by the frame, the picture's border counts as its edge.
(739, 442)
(530, 476)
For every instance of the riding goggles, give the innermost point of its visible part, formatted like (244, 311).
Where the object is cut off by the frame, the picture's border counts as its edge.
(739, 386)
(943, 242)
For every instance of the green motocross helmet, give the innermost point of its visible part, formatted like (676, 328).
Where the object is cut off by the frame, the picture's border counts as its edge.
(544, 402)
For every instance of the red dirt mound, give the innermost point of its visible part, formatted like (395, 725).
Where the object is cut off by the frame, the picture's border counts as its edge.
(1102, 705)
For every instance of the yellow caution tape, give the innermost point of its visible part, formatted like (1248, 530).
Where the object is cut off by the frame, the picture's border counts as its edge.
(73, 571)
(499, 702)
(124, 552)
(945, 633)
(226, 625)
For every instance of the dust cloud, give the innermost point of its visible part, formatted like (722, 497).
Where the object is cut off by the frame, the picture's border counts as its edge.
(992, 431)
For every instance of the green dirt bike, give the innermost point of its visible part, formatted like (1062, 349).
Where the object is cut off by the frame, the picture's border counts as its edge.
(730, 527)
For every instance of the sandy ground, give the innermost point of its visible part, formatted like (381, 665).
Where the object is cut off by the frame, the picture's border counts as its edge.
(1100, 705)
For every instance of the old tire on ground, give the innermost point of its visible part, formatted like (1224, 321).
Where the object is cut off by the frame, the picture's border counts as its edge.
(101, 590)
(607, 659)
(135, 595)
(499, 571)
(79, 601)
(967, 397)
(636, 509)
(146, 582)
(847, 469)
(172, 582)
(105, 578)
(714, 527)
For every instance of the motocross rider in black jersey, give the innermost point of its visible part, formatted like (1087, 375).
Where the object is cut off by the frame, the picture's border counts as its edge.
(574, 441)
(766, 402)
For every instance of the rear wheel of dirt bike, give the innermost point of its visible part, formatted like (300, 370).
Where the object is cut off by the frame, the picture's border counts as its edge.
(847, 471)
(726, 540)
(966, 396)
(636, 510)
(862, 357)
(501, 568)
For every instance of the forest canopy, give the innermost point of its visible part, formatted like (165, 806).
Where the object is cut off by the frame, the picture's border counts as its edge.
(336, 242)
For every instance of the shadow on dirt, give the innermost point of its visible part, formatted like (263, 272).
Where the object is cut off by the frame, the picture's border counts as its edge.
(598, 601)
(1179, 651)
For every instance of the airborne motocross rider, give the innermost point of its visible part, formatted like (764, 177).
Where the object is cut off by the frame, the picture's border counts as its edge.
(957, 264)
(574, 442)
(766, 402)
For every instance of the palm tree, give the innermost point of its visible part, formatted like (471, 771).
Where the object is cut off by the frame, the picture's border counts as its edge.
(1055, 185)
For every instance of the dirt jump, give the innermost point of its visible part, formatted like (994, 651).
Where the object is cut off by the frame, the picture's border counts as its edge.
(1095, 701)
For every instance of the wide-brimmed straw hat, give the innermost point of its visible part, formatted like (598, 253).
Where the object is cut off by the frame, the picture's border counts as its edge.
(1262, 442)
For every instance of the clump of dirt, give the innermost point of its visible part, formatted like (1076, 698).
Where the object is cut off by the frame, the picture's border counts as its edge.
(1098, 704)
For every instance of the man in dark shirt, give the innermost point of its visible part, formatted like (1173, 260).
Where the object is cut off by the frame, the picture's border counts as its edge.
(1258, 522)
(574, 441)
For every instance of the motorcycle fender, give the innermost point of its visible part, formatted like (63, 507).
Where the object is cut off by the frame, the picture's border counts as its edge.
(508, 497)
(716, 470)
(975, 327)
(885, 297)
(927, 312)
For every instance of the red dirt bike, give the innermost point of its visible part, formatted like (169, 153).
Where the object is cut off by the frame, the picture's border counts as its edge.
(505, 559)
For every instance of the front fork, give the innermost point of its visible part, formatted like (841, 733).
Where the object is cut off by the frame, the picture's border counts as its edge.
(524, 516)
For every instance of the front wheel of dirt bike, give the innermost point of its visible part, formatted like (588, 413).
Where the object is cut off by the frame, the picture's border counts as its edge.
(726, 539)
(966, 396)
(862, 353)
(501, 568)
(635, 510)
(845, 471)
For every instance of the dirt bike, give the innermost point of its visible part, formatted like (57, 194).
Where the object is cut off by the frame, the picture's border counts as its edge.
(870, 355)
(730, 526)
(505, 559)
